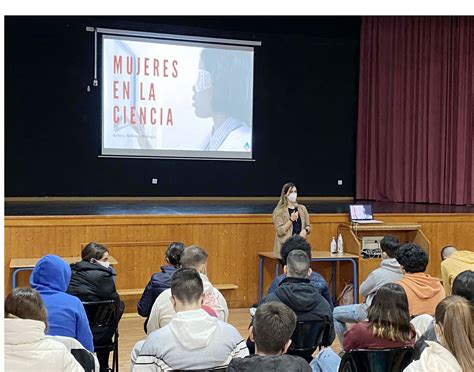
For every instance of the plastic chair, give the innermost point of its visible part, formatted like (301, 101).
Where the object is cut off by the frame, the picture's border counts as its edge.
(306, 338)
(377, 360)
(104, 316)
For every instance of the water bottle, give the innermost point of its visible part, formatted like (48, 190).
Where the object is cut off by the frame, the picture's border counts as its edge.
(340, 245)
(333, 246)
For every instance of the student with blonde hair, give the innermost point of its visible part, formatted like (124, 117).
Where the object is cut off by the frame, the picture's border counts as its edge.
(455, 332)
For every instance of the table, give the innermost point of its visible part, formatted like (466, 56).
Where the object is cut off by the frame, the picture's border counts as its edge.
(28, 264)
(316, 256)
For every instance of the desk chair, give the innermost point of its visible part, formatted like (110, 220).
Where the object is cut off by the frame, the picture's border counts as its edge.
(377, 360)
(307, 337)
(104, 316)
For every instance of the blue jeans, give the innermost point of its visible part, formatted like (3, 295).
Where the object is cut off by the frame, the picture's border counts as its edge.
(347, 314)
(326, 361)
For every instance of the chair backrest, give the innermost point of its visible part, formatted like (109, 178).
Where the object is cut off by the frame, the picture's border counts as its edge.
(86, 359)
(377, 360)
(308, 335)
(102, 314)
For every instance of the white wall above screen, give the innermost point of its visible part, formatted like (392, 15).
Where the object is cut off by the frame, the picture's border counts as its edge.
(176, 98)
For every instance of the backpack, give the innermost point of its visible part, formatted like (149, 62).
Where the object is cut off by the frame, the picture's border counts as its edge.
(346, 297)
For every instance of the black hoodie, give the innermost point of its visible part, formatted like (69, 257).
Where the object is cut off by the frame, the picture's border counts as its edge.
(276, 363)
(305, 300)
(92, 282)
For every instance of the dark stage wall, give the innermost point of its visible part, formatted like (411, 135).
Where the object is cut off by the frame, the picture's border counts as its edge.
(305, 99)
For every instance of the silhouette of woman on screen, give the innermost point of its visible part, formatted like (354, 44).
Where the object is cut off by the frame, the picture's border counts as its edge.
(223, 92)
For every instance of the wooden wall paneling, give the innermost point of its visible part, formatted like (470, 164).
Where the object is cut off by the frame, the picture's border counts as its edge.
(231, 240)
(234, 261)
(240, 259)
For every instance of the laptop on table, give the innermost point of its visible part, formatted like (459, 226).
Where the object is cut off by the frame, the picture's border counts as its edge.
(362, 213)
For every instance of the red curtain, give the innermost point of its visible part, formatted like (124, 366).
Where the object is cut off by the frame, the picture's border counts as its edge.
(415, 135)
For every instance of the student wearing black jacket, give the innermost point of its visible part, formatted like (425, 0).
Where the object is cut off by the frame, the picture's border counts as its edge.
(92, 280)
(301, 296)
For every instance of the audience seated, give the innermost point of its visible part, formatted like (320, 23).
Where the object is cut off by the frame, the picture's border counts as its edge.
(454, 262)
(463, 286)
(423, 291)
(298, 242)
(193, 339)
(92, 280)
(296, 292)
(66, 314)
(186, 314)
(160, 281)
(388, 272)
(162, 310)
(455, 332)
(273, 325)
(26, 346)
(388, 324)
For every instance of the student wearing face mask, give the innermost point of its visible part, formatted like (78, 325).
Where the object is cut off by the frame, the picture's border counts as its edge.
(289, 217)
(92, 280)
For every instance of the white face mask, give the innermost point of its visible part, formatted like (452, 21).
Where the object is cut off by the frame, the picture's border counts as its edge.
(292, 197)
(203, 81)
(105, 264)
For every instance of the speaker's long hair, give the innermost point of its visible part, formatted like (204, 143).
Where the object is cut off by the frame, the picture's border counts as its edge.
(283, 202)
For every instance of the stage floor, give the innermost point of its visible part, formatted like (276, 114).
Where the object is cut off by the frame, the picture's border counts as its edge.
(185, 207)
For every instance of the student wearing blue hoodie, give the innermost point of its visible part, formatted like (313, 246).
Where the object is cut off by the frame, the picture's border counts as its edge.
(66, 314)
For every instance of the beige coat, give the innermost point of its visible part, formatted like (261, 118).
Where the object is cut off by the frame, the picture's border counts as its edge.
(280, 218)
(434, 358)
(27, 349)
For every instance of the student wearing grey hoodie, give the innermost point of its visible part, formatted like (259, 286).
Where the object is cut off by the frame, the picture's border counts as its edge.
(388, 272)
(193, 339)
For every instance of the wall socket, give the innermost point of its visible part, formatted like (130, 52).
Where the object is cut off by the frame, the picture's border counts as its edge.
(154, 181)
(339, 182)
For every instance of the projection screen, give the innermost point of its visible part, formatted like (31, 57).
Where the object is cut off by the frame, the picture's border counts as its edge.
(176, 98)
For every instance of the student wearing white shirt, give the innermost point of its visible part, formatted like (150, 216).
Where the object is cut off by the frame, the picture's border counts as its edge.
(193, 339)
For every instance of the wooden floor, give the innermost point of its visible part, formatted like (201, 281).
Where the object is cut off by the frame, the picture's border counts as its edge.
(131, 331)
